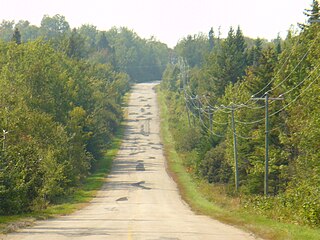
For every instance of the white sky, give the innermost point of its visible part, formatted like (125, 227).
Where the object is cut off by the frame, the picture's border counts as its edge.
(167, 20)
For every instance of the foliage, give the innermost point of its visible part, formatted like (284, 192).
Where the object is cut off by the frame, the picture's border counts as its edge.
(57, 114)
(60, 103)
(193, 49)
(142, 59)
(235, 71)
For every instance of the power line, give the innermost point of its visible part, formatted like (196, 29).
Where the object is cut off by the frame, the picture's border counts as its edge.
(300, 83)
(279, 71)
(296, 98)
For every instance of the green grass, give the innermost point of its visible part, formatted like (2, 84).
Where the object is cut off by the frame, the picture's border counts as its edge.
(76, 200)
(206, 199)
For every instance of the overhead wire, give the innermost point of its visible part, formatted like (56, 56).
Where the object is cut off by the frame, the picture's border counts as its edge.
(280, 70)
(238, 106)
(287, 77)
(301, 60)
(204, 125)
(300, 83)
(296, 98)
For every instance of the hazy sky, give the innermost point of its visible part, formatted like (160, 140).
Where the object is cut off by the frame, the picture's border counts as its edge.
(167, 20)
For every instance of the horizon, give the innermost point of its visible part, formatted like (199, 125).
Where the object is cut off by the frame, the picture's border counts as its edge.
(167, 21)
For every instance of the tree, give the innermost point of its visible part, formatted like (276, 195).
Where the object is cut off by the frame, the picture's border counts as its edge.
(211, 38)
(193, 49)
(313, 14)
(53, 27)
(75, 45)
(16, 37)
(90, 34)
(227, 63)
(103, 42)
(6, 30)
(28, 32)
(254, 53)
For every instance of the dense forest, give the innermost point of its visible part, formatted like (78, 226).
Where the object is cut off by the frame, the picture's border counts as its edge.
(244, 114)
(60, 103)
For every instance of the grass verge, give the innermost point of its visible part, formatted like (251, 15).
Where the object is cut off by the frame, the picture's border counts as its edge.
(204, 198)
(79, 198)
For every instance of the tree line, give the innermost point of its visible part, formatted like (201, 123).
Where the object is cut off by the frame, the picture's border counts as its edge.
(142, 59)
(219, 81)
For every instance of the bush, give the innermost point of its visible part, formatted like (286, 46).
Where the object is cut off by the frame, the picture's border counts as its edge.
(187, 139)
(215, 168)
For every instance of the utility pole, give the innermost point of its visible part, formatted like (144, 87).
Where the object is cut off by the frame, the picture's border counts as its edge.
(4, 132)
(235, 154)
(184, 76)
(187, 107)
(199, 107)
(210, 118)
(266, 170)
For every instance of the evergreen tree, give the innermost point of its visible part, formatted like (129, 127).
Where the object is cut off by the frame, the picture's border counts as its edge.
(240, 53)
(313, 14)
(16, 37)
(254, 53)
(75, 45)
(211, 38)
(277, 43)
(103, 42)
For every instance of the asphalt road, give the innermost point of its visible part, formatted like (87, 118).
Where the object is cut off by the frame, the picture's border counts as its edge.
(139, 199)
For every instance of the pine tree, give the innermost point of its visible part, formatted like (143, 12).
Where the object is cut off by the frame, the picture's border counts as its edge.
(277, 42)
(313, 14)
(211, 38)
(103, 42)
(75, 45)
(240, 52)
(239, 41)
(257, 51)
(16, 37)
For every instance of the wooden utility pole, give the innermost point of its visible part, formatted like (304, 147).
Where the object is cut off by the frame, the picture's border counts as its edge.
(210, 118)
(266, 170)
(235, 154)
(184, 79)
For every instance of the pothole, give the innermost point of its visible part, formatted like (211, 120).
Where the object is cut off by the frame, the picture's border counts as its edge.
(156, 148)
(122, 199)
(140, 166)
(138, 152)
(139, 185)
